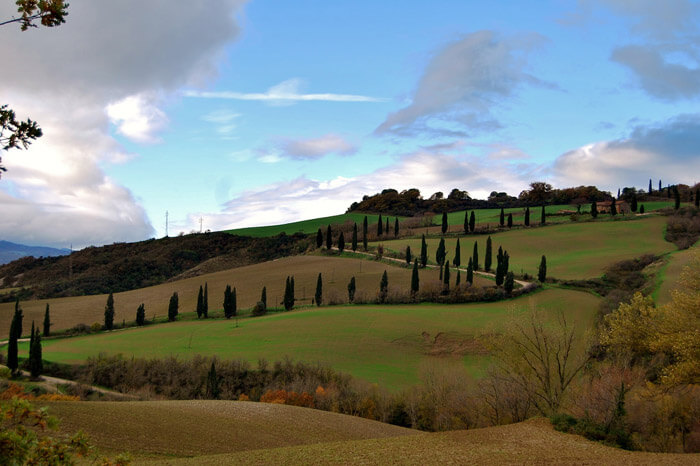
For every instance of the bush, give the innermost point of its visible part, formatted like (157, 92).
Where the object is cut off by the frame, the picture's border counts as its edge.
(259, 309)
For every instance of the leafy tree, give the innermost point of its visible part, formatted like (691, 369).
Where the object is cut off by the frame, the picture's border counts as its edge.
(502, 218)
(446, 276)
(205, 301)
(408, 255)
(543, 216)
(263, 297)
(354, 237)
(457, 260)
(47, 322)
(470, 272)
(444, 223)
(341, 242)
(380, 226)
(466, 221)
(509, 283)
(364, 233)
(641, 209)
(36, 365)
(613, 208)
(383, 287)
(488, 257)
(542, 272)
(351, 290)
(423, 252)
(329, 238)
(173, 307)
(212, 387)
(319, 238)
(396, 227)
(440, 253)
(475, 256)
(594, 209)
(109, 312)
(415, 280)
(318, 297)
(141, 315)
(527, 216)
(472, 222)
(510, 220)
(200, 302)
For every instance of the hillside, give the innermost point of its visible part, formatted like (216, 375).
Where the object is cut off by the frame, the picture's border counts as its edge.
(13, 251)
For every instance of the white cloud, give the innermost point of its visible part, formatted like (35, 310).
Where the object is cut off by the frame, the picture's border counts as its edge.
(315, 148)
(137, 118)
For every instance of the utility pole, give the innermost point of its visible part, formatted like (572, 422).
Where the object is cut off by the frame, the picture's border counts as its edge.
(166, 223)
(70, 263)
(200, 224)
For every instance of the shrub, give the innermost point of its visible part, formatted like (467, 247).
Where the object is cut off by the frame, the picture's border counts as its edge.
(259, 309)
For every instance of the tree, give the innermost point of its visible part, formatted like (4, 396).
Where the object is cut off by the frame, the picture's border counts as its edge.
(386, 228)
(329, 238)
(641, 209)
(509, 283)
(697, 198)
(47, 322)
(288, 300)
(263, 297)
(408, 255)
(444, 223)
(212, 388)
(415, 280)
(457, 260)
(677, 198)
(475, 256)
(36, 365)
(15, 334)
(470, 271)
(319, 291)
(441, 271)
(458, 279)
(633, 202)
(543, 216)
(440, 253)
(542, 272)
(488, 257)
(200, 302)
(466, 221)
(618, 193)
(351, 290)
(423, 252)
(364, 233)
(228, 308)
(319, 238)
(205, 301)
(613, 208)
(396, 227)
(510, 220)
(354, 237)
(173, 307)
(341, 242)
(527, 217)
(446, 276)
(109, 313)
(383, 287)
(650, 190)
(141, 315)
(502, 218)
(472, 222)
(594, 209)
(234, 302)
(380, 226)
(500, 274)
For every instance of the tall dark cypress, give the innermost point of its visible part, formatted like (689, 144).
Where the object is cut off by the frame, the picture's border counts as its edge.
(319, 238)
(396, 227)
(319, 290)
(649, 185)
(329, 238)
(457, 260)
(542, 272)
(527, 216)
(440, 253)
(466, 221)
(205, 301)
(458, 279)
(472, 222)
(36, 365)
(502, 218)
(499, 267)
(354, 237)
(173, 307)
(488, 256)
(470, 272)
(200, 302)
(383, 287)
(510, 220)
(444, 223)
(141, 315)
(287, 300)
(341, 242)
(446, 276)
(618, 193)
(475, 256)
(364, 233)
(380, 226)
(408, 255)
(263, 297)
(109, 312)
(613, 208)
(423, 252)
(351, 290)
(594, 209)
(543, 216)
(633, 203)
(415, 281)
(227, 302)
(212, 386)
(509, 283)
(47, 322)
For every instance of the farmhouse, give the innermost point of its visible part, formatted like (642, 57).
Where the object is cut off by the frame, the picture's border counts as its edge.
(604, 207)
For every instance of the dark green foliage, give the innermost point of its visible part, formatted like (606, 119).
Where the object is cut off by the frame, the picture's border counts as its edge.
(641, 209)
(488, 257)
(458, 279)
(234, 302)
(475, 256)
(380, 226)
(415, 281)
(470, 271)
(319, 238)
(212, 388)
(205, 301)
(229, 309)
(697, 198)
(649, 185)
(109, 313)
(200, 302)
(613, 208)
(527, 217)
(668, 191)
(510, 220)
(618, 193)
(423, 252)
(354, 237)
(288, 300)
(351, 289)
(633, 203)
(36, 365)
(542, 272)
(263, 297)
(383, 287)
(441, 270)
(543, 217)
(457, 260)
(677, 198)
(500, 274)
(364, 233)
(341, 242)
(318, 297)
(446, 276)
(594, 209)
(502, 218)
(659, 187)
(386, 228)
(329, 238)
(440, 253)
(15, 333)
(472, 222)
(466, 221)
(173, 307)
(614, 433)
(396, 227)
(47, 322)
(408, 255)
(444, 223)
(509, 283)
(141, 315)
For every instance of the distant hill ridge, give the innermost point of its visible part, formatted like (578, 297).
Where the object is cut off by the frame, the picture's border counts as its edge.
(13, 251)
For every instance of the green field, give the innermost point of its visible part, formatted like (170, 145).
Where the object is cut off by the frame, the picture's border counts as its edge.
(573, 250)
(310, 226)
(380, 344)
(670, 274)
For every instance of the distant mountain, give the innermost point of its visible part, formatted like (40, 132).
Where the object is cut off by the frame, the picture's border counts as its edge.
(12, 251)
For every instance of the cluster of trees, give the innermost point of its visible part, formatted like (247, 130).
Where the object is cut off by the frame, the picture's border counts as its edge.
(34, 362)
(330, 239)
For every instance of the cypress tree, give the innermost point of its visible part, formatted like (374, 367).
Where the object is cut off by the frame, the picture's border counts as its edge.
(15, 332)
(440, 253)
(415, 281)
(341, 242)
(386, 228)
(364, 233)
(649, 185)
(212, 387)
(470, 272)
(510, 220)
(380, 226)
(205, 301)
(668, 191)
(527, 216)
(543, 216)
(289, 294)
(227, 302)
(36, 365)
(263, 298)
(509, 283)
(383, 287)
(329, 238)
(440, 278)
(200, 302)
(618, 193)
(141, 315)
(351, 290)
(319, 238)
(457, 260)
(466, 221)
(173, 307)
(408, 255)
(423, 252)
(660, 187)
(444, 223)
(472, 222)
(499, 267)
(31, 338)
(354, 237)
(594, 209)
(109, 313)
(613, 208)
(396, 227)
(234, 302)
(633, 203)
(291, 285)
(542, 272)
(458, 279)
(502, 218)
(319, 291)
(677, 198)
(488, 256)
(475, 256)
(47, 322)
(641, 209)
(506, 259)
(446, 276)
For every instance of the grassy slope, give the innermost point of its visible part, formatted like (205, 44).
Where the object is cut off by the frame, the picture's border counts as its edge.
(310, 226)
(199, 427)
(249, 280)
(573, 250)
(530, 442)
(382, 344)
(670, 274)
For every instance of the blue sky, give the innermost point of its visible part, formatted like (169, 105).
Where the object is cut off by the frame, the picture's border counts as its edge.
(268, 112)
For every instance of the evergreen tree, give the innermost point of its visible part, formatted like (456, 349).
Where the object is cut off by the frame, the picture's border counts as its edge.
(677, 198)
(423, 252)
(527, 216)
(396, 227)
(444, 223)
(31, 338)
(234, 302)
(47, 322)
(205, 301)
(594, 209)
(212, 388)
(500, 274)
(510, 220)
(649, 185)
(291, 285)
(458, 279)
(383, 287)
(613, 208)
(408, 255)
(440, 253)
(472, 222)
(618, 193)
(633, 203)
(364, 233)
(543, 216)
(446, 276)
(415, 281)
(319, 238)
(668, 191)
(36, 365)
(200, 302)
(542, 272)
(475, 256)
(506, 259)
(660, 190)
(354, 237)
(351, 290)
(641, 209)
(109, 313)
(329, 238)
(470, 272)
(318, 297)
(457, 260)
(502, 219)
(440, 278)
(141, 315)
(173, 307)
(289, 294)
(15, 333)
(341, 242)
(263, 298)
(488, 257)
(466, 221)
(227, 302)
(380, 226)
(509, 283)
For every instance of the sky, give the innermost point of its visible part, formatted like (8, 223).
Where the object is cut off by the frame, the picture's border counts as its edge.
(234, 113)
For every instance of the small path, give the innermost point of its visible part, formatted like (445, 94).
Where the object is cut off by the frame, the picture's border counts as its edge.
(58, 381)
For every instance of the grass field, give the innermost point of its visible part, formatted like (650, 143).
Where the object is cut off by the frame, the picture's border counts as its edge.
(573, 250)
(249, 281)
(310, 226)
(380, 344)
(670, 274)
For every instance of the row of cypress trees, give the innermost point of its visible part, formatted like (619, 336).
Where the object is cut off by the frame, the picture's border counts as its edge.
(35, 358)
